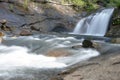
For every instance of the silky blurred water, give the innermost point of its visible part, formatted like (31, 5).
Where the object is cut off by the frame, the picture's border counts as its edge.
(24, 58)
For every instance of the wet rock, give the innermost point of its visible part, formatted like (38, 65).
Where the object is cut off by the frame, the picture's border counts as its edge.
(25, 33)
(58, 53)
(87, 44)
(76, 46)
(115, 40)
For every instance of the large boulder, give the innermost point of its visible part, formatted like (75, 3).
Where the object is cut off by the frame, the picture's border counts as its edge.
(87, 44)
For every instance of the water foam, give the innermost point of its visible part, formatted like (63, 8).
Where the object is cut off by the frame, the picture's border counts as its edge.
(80, 55)
(15, 57)
(21, 53)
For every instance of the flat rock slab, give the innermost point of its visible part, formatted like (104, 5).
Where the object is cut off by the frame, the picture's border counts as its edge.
(107, 69)
(12, 19)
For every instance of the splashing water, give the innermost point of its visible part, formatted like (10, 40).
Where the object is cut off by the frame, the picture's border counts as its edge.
(15, 57)
(95, 24)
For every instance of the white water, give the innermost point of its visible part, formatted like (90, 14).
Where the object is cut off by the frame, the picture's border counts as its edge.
(17, 55)
(14, 57)
(95, 24)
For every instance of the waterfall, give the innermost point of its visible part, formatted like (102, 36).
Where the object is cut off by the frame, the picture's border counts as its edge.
(95, 24)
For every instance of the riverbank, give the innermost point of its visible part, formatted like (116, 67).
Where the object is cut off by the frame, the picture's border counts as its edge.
(98, 69)
(104, 67)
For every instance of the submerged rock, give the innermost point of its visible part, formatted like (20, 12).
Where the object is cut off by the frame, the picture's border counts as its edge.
(76, 46)
(58, 53)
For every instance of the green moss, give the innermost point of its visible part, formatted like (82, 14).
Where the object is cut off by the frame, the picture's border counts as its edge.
(11, 7)
(26, 3)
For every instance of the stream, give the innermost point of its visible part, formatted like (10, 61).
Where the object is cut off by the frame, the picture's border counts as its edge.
(24, 58)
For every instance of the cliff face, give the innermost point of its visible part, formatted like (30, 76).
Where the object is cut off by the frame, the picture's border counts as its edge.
(114, 30)
(38, 16)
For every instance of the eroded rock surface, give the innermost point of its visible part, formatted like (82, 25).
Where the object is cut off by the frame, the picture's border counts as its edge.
(44, 17)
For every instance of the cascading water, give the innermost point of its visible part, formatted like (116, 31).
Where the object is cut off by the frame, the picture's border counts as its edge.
(95, 24)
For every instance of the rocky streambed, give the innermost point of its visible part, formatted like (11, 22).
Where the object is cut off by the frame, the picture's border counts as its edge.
(104, 67)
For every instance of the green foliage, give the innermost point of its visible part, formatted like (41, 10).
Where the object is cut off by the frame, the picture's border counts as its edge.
(92, 4)
(78, 2)
(74, 2)
(116, 21)
(86, 4)
(114, 3)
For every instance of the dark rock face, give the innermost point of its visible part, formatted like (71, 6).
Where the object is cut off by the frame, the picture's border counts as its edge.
(114, 30)
(76, 47)
(59, 28)
(87, 44)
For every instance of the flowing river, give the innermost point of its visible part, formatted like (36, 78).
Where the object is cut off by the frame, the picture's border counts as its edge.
(25, 58)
